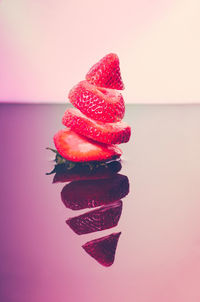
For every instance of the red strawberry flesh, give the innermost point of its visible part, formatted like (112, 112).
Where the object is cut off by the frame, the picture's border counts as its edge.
(106, 73)
(75, 147)
(108, 133)
(101, 104)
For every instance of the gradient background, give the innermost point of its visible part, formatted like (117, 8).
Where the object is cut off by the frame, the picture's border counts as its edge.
(47, 46)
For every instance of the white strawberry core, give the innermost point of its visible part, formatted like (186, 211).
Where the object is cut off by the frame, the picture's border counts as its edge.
(112, 95)
(108, 127)
(85, 147)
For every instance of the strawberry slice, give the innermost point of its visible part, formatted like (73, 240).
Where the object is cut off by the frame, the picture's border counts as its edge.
(101, 219)
(108, 133)
(92, 193)
(103, 249)
(101, 104)
(106, 73)
(77, 148)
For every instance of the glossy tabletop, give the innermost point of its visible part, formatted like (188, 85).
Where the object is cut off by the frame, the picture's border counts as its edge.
(157, 256)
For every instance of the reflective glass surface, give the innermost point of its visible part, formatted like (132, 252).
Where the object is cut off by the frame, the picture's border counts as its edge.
(129, 231)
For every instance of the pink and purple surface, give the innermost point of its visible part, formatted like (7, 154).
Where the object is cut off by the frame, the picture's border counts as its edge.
(158, 253)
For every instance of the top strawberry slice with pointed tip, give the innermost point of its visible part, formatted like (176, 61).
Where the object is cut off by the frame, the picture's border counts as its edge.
(106, 73)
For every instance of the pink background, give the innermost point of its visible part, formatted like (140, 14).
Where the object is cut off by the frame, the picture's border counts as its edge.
(47, 46)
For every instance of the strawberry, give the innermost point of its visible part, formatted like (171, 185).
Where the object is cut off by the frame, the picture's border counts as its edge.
(106, 73)
(101, 104)
(101, 219)
(77, 148)
(92, 193)
(103, 249)
(108, 133)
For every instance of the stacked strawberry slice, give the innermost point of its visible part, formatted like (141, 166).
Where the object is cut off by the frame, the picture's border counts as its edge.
(94, 127)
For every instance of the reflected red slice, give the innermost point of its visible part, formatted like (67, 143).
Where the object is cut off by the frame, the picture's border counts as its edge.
(103, 218)
(85, 173)
(83, 194)
(103, 249)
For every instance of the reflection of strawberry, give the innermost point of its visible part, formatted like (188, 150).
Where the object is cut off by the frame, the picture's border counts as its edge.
(101, 219)
(106, 73)
(109, 133)
(103, 249)
(92, 193)
(101, 104)
(77, 148)
(86, 171)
